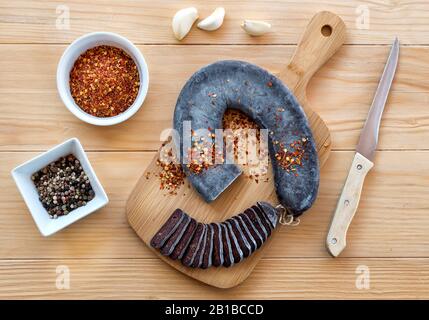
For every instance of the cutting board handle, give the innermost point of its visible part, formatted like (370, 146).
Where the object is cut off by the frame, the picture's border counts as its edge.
(323, 36)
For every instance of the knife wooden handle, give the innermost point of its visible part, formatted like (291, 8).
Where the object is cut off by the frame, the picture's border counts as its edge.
(347, 204)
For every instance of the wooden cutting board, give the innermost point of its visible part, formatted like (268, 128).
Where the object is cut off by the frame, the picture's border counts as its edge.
(148, 207)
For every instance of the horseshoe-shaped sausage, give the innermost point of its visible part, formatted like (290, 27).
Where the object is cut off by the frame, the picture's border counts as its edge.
(200, 245)
(260, 95)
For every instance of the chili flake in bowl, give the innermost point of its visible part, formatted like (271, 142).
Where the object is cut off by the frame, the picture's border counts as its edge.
(102, 78)
(104, 81)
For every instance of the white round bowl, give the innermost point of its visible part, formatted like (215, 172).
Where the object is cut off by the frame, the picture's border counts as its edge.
(78, 47)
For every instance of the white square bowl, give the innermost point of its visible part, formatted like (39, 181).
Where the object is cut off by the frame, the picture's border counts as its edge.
(22, 176)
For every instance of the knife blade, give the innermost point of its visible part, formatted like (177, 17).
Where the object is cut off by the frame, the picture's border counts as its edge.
(362, 162)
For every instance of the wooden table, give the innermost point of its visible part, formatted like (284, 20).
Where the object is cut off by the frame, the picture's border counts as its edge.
(389, 237)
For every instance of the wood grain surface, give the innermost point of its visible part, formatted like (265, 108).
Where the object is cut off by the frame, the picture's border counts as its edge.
(341, 93)
(389, 235)
(148, 209)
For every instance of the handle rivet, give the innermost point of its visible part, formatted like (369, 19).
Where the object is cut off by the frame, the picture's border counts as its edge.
(359, 166)
(346, 203)
(334, 240)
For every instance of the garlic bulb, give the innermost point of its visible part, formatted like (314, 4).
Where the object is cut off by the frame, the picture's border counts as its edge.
(213, 21)
(256, 28)
(183, 21)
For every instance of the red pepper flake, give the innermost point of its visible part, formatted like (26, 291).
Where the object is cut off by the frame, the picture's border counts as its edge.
(270, 84)
(202, 155)
(104, 81)
(171, 176)
(290, 159)
(236, 120)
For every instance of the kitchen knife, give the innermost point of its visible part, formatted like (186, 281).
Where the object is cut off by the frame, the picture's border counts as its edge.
(362, 162)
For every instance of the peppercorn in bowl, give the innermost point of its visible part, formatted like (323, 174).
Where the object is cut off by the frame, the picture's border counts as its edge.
(102, 78)
(59, 187)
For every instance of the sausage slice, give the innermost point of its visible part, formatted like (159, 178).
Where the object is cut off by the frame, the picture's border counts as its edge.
(198, 260)
(228, 259)
(241, 238)
(181, 247)
(253, 230)
(208, 252)
(235, 247)
(257, 223)
(193, 247)
(217, 245)
(172, 242)
(247, 233)
(200, 245)
(263, 219)
(167, 229)
(270, 212)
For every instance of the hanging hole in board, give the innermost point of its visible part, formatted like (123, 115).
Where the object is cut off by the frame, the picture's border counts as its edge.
(326, 30)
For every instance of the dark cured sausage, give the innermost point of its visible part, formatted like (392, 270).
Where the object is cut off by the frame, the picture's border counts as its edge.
(226, 243)
(217, 245)
(168, 247)
(260, 95)
(181, 247)
(228, 259)
(167, 229)
(208, 253)
(194, 246)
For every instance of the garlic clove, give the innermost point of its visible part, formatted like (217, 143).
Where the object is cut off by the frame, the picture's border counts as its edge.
(213, 21)
(256, 28)
(183, 21)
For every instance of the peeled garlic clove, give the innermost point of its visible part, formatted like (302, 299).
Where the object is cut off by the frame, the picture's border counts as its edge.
(256, 28)
(183, 21)
(213, 21)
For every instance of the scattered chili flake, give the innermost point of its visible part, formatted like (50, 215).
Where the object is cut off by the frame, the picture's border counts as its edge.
(270, 84)
(171, 176)
(291, 158)
(202, 153)
(104, 81)
(240, 124)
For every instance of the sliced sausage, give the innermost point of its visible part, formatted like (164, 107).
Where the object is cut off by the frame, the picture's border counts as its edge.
(228, 259)
(193, 247)
(217, 245)
(270, 212)
(208, 252)
(263, 219)
(253, 230)
(237, 253)
(247, 233)
(181, 247)
(200, 245)
(167, 229)
(171, 243)
(257, 223)
(198, 260)
(241, 238)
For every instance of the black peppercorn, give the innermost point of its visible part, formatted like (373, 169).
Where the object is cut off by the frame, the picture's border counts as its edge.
(63, 186)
